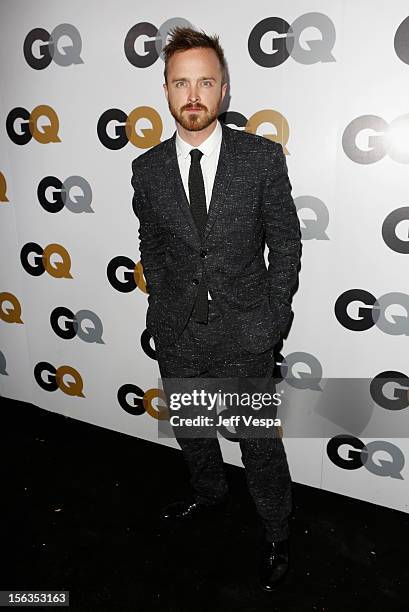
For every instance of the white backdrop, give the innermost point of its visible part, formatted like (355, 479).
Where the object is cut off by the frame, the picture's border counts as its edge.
(348, 67)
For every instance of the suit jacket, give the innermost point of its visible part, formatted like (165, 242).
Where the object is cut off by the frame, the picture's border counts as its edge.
(251, 205)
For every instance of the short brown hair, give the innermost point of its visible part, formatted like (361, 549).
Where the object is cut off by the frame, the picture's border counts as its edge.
(183, 38)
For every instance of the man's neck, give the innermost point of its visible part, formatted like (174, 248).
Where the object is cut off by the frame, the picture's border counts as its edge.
(196, 138)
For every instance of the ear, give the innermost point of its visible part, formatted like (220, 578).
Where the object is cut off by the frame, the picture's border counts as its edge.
(224, 89)
(165, 88)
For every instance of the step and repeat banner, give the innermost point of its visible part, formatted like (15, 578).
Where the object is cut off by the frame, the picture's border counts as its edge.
(81, 96)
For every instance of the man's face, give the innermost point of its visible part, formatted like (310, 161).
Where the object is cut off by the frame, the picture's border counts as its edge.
(194, 89)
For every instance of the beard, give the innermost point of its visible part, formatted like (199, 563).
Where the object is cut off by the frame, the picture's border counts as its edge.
(192, 121)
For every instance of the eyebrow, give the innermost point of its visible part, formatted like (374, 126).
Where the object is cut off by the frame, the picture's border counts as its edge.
(204, 78)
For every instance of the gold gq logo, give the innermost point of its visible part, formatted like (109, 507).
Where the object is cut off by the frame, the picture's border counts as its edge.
(22, 126)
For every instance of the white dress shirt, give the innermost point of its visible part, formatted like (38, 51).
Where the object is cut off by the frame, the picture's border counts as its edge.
(209, 160)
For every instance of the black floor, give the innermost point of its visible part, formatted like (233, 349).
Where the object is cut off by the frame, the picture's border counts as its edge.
(79, 507)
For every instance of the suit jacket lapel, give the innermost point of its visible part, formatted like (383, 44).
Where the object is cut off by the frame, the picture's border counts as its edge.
(224, 174)
(174, 180)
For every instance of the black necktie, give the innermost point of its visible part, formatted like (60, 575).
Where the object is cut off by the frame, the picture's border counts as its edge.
(197, 197)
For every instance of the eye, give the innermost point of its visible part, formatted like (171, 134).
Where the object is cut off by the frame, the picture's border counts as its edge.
(180, 83)
(207, 83)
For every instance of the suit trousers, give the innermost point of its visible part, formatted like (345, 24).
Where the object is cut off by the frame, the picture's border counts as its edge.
(206, 350)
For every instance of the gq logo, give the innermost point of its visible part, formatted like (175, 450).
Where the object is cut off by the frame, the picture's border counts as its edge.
(7, 314)
(367, 139)
(146, 344)
(3, 188)
(315, 228)
(134, 401)
(301, 371)
(41, 262)
(401, 41)
(124, 275)
(67, 325)
(54, 379)
(150, 41)
(3, 364)
(115, 128)
(352, 315)
(41, 48)
(54, 195)
(22, 126)
(389, 227)
(251, 125)
(360, 454)
(390, 390)
(288, 41)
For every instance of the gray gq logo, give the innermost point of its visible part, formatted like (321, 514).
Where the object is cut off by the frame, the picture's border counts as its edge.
(390, 390)
(313, 228)
(360, 454)
(151, 41)
(401, 42)
(67, 324)
(48, 51)
(384, 140)
(3, 364)
(373, 311)
(287, 42)
(389, 230)
(308, 376)
(54, 195)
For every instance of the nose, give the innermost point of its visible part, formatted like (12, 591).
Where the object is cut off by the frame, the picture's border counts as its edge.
(193, 94)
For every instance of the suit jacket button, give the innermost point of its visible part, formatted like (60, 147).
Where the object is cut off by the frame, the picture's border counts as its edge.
(203, 253)
(195, 281)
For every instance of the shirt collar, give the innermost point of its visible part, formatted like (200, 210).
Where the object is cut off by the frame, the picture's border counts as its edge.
(207, 147)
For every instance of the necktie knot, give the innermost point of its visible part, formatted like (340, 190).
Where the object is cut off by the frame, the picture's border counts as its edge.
(196, 155)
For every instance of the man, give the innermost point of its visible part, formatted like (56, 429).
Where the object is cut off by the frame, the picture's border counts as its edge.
(208, 199)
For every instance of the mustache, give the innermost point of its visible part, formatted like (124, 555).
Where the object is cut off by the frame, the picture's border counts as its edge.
(197, 105)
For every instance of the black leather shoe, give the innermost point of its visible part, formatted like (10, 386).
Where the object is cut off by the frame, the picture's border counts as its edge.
(189, 509)
(273, 565)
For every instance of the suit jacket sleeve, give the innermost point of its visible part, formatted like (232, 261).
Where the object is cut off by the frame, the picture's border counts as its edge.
(151, 243)
(282, 234)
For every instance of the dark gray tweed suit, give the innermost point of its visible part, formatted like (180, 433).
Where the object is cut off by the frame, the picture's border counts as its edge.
(251, 205)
